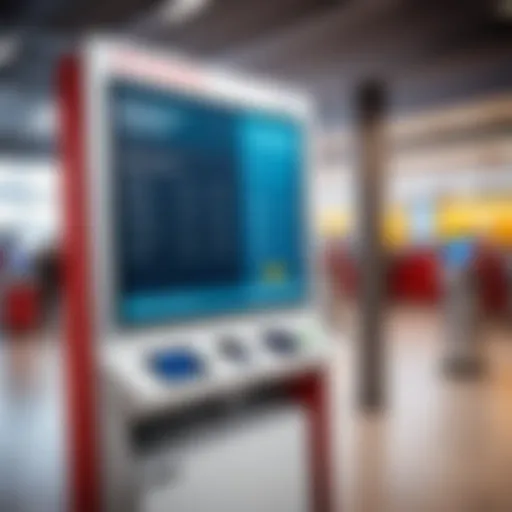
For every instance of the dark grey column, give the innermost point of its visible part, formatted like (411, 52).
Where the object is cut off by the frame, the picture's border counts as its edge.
(370, 174)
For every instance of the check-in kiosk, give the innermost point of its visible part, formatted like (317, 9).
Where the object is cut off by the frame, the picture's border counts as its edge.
(197, 366)
(463, 347)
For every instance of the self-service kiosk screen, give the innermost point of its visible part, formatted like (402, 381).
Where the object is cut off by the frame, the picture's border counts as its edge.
(208, 207)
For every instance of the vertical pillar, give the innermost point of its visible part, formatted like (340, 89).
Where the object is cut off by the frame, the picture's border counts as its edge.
(371, 103)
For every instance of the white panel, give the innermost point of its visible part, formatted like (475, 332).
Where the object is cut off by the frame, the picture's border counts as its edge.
(257, 464)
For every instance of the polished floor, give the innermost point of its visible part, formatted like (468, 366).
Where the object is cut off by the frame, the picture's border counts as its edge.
(32, 458)
(441, 445)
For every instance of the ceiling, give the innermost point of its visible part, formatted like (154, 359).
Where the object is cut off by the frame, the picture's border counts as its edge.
(425, 50)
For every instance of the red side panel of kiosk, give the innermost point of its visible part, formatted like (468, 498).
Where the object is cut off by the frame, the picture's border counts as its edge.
(83, 470)
(313, 391)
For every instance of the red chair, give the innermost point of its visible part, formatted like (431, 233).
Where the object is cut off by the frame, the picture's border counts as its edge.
(22, 308)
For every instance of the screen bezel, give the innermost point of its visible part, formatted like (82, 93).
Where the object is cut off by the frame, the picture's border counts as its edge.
(108, 61)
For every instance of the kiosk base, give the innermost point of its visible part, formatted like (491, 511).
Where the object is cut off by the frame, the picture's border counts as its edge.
(252, 459)
(264, 450)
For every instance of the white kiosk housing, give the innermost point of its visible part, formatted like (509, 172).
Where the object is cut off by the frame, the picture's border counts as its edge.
(196, 360)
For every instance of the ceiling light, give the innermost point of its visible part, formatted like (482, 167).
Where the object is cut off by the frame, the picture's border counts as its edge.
(504, 9)
(181, 11)
(9, 48)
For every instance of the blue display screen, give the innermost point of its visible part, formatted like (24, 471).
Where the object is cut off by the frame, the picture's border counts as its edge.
(208, 207)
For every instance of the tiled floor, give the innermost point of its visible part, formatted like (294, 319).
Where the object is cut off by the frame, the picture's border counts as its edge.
(441, 446)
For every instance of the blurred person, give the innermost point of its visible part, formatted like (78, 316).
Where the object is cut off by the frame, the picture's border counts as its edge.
(20, 316)
(47, 265)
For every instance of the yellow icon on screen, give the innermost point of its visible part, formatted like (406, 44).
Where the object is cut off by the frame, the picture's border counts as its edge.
(274, 272)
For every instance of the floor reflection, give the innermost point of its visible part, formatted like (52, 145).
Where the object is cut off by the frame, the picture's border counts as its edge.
(31, 435)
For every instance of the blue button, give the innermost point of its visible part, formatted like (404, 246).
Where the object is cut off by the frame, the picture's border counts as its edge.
(177, 365)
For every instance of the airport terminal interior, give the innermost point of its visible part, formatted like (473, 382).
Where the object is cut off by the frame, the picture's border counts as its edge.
(256, 256)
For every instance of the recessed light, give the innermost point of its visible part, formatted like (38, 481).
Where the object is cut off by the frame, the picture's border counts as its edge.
(504, 9)
(9, 48)
(180, 11)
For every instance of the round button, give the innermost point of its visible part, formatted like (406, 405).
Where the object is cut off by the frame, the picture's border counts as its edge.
(177, 364)
(234, 349)
(282, 342)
